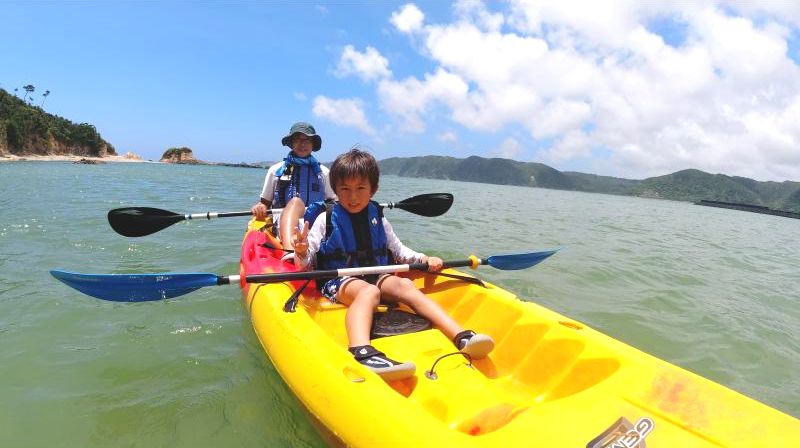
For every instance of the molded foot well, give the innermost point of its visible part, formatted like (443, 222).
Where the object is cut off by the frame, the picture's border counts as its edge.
(490, 419)
(516, 345)
(496, 321)
(550, 362)
(583, 375)
(561, 367)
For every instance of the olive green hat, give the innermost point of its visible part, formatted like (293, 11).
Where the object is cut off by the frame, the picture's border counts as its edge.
(305, 129)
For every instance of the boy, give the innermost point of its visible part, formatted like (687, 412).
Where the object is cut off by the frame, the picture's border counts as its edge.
(359, 235)
(296, 181)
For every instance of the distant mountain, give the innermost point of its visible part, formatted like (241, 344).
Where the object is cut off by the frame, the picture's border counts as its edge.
(29, 130)
(686, 185)
(696, 185)
(477, 169)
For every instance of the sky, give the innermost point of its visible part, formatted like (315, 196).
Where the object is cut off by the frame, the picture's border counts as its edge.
(619, 88)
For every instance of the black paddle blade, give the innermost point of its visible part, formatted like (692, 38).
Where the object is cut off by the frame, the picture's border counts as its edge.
(141, 221)
(429, 204)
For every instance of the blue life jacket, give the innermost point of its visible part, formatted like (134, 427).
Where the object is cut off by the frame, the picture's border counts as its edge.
(298, 180)
(314, 209)
(341, 249)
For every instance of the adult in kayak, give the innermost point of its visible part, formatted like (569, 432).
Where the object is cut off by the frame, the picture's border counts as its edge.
(299, 179)
(354, 233)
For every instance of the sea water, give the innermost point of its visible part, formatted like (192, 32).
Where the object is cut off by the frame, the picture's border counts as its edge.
(712, 290)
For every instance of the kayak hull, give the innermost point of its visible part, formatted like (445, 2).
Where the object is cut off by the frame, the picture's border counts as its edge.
(550, 381)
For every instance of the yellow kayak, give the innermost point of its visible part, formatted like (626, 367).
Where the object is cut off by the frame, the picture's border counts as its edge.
(551, 381)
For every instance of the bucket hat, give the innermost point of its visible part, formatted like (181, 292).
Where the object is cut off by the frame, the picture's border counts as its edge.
(305, 129)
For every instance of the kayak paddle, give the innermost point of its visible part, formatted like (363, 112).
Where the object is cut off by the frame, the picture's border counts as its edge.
(141, 221)
(147, 287)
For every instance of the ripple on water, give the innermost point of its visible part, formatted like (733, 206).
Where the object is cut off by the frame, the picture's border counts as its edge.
(713, 294)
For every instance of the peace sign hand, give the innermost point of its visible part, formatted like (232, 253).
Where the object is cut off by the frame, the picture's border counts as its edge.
(300, 240)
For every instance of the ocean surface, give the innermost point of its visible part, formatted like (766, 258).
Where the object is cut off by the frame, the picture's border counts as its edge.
(713, 290)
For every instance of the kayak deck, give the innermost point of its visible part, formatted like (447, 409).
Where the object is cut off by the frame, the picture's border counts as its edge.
(550, 379)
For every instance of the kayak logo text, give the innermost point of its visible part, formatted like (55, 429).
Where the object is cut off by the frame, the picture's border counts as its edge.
(623, 434)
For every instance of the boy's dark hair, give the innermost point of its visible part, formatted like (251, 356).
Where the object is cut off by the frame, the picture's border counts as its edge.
(355, 163)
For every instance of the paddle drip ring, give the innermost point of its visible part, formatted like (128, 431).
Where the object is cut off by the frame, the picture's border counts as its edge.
(431, 375)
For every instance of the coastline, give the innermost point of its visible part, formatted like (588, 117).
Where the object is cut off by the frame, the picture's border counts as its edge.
(69, 158)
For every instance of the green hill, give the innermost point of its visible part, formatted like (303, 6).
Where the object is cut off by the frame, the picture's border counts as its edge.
(694, 185)
(29, 130)
(686, 185)
(478, 169)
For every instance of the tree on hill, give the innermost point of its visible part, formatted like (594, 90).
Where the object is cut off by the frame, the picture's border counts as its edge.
(44, 97)
(28, 89)
(26, 129)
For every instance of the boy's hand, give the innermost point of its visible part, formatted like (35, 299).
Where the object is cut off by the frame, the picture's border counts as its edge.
(300, 240)
(434, 264)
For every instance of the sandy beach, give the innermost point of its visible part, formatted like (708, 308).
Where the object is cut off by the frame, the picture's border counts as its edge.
(70, 158)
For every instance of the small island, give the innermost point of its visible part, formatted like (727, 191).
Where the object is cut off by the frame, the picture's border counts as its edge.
(182, 155)
(185, 156)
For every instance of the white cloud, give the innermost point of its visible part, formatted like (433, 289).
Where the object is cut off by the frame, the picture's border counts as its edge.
(410, 98)
(509, 149)
(343, 112)
(299, 96)
(725, 98)
(447, 137)
(475, 11)
(409, 19)
(580, 24)
(558, 117)
(367, 66)
(789, 11)
(571, 145)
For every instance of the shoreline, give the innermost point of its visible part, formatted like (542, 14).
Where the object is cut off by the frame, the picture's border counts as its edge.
(69, 158)
(10, 158)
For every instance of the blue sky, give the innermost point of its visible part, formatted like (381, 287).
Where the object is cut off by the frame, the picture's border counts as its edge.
(626, 89)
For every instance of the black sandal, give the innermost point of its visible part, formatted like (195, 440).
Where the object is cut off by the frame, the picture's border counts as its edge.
(379, 363)
(476, 345)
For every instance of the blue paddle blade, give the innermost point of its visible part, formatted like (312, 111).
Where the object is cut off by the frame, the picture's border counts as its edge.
(135, 287)
(518, 261)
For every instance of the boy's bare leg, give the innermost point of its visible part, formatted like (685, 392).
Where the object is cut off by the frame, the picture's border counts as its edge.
(290, 216)
(402, 290)
(361, 299)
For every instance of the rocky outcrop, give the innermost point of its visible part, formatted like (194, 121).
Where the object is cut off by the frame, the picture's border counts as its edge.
(179, 155)
(88, 162)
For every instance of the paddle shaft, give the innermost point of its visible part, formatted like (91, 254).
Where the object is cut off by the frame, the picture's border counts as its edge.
(331, 273)
(141, 221)
(210, 215)
(165, 285)
(272, 211)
